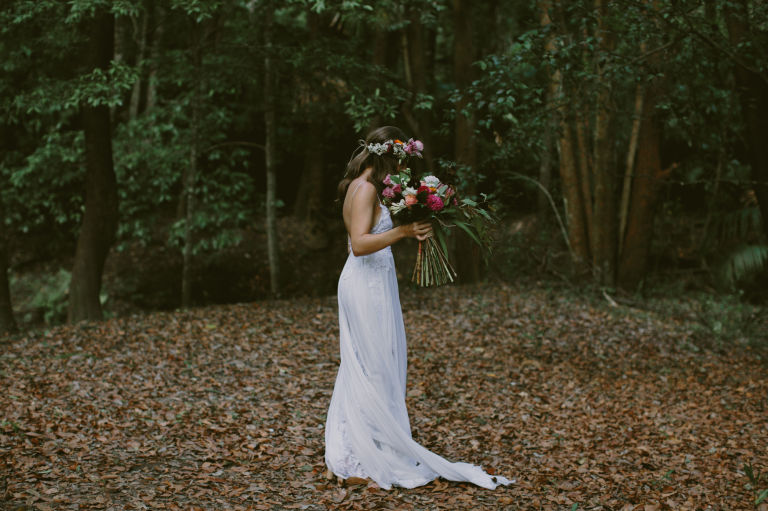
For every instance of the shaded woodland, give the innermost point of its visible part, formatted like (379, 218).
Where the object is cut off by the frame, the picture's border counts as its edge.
(162, 154)
(170, 246)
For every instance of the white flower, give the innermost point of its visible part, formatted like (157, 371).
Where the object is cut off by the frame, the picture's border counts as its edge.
(431, 181)
(409, 191)
(396, 207)
(377, 149)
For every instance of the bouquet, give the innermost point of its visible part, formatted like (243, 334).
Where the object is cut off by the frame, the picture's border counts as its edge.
(410, 200)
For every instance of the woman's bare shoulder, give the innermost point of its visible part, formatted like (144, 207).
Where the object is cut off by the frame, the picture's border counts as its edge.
(362, 188)
(364, 184)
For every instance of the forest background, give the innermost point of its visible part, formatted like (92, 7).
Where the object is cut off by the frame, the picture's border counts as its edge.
(164, 153)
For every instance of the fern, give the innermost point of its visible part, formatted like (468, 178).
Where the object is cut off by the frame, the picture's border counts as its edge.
(738, 224)
(744, 262)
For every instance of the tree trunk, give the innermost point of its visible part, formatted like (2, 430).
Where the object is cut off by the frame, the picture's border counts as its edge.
(645, 186)
(100, 218)
(569, 173)
(574, 202)
(156, 37)
(270, 150)
(141, 39)
(753, 96)
(415, 52)
(643, 179)
(626, 188)
(545, 165)
(467, 253)
(7, 321)
(550, 124)
(310, 196)
(190, 178)
(585, 166)
(310, 204)
(603, 231)
(383, 57)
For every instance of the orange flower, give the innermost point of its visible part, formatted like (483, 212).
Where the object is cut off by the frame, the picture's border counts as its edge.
(398, 142)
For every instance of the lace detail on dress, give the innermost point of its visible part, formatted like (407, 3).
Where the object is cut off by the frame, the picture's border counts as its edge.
(347, 463)
(382, 259)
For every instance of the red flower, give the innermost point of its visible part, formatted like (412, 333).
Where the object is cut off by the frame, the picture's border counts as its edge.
(434, 203)
(423, 189)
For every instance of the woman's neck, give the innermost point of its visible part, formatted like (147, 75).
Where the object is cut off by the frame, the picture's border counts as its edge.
(366, 174)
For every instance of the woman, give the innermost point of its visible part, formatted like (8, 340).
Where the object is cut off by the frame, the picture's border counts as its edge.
(368, 433)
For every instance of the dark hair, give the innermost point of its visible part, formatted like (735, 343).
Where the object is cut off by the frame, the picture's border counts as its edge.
(382, 165)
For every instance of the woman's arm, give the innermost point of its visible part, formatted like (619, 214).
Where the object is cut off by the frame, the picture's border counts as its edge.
(364, 204)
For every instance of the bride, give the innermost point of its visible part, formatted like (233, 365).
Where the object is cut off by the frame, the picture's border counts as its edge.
(368, 433)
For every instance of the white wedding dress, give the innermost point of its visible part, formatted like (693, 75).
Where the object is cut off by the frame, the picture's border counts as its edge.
(367, 433)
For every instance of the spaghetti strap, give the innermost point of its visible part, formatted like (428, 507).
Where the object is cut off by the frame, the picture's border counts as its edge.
(355, 190)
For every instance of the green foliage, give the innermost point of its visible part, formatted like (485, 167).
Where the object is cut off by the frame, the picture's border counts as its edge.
(362, 107)
(741, 224)
(743, 263)
(756, 481)
(45, 187)
(45, 294)
(198, 10)
(323, 55)
(727, 321)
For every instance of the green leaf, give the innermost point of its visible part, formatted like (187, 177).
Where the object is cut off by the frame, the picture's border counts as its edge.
(440, 235)
(463, 226)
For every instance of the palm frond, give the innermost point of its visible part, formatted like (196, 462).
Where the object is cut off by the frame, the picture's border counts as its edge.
(738, 224)
(743, 262)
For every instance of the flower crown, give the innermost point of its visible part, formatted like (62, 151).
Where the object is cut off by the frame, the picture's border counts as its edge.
(398, 148)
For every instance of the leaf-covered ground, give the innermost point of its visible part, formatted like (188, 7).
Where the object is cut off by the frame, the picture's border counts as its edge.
(587, 406)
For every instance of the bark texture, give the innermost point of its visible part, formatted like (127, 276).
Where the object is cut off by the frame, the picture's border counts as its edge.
(571, 182)
(269, 158)
(415, 50)
(646, 183)
(97, 232)
(310, 198)
(467, 253)
(603, 232)
(7, 321)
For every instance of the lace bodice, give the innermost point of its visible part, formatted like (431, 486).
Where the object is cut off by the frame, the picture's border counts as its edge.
(382, 258)
(385, 221)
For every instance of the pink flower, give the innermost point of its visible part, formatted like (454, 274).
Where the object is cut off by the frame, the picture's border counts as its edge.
(397, 188)
(434, 203)
(414, 147)
(387, 180)
(388, 192)
(410, 200)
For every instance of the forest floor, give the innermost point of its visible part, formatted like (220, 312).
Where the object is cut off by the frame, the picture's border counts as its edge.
(588, 405)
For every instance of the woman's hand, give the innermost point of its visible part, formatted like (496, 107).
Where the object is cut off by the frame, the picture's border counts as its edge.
(419, 230)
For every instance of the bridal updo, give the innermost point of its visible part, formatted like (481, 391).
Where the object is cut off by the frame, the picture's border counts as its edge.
(362, 158)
